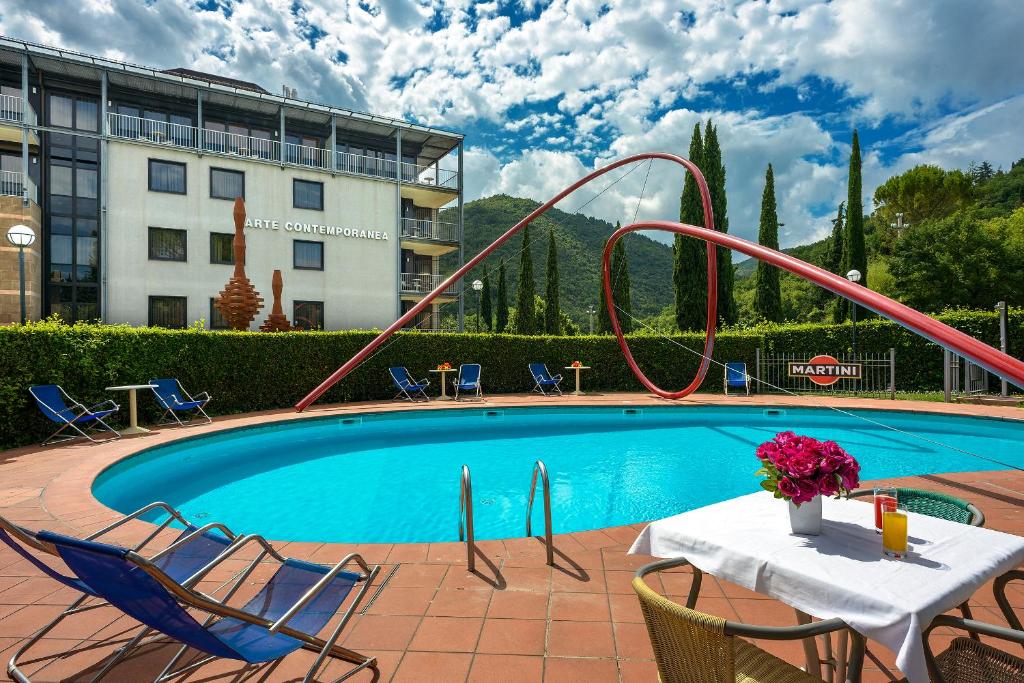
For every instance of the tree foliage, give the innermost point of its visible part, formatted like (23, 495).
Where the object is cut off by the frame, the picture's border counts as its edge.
(767, 292)
(621, 286)
(552, 312)
(714, 173)
(689, 274)
(856, 257)
(923, 192)
(526, 312)
(486, 308)
(501, 315)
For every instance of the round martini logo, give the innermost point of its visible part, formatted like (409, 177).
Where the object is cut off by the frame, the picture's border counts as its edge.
(824, 370)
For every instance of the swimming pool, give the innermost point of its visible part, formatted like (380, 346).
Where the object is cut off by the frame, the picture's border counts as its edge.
(394, 477)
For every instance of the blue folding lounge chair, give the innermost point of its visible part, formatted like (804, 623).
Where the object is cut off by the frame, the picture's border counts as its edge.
(736, 377)
(192, 550)
(174, 399)
(294, 605)
(405, 384)
(543, 379)
(67, 412)
(468, 380)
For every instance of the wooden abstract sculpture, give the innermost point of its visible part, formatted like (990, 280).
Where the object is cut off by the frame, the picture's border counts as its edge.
(239, 302)
(277, 321)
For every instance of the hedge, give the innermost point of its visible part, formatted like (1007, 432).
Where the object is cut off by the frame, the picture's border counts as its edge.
(249, 371)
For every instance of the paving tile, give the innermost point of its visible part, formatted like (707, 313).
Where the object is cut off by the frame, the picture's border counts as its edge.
(527, 578)
(512, 636)
(638, 671)
(506, 669)
(580, 639)
(398, 600)
(460, 603)
(377, 632)
(560, 670)
(579, 607)
(518, 605)
(431, 667)
(625, 608)
(632, 641)
(418, 576)
(447, 634)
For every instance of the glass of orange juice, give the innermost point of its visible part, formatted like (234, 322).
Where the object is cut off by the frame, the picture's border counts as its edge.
(886, 498)
(894, 533)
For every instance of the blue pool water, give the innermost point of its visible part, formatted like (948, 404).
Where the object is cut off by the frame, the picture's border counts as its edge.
(394, 477)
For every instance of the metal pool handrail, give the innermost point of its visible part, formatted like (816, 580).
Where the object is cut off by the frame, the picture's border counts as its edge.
(466, 516)
(539, 467)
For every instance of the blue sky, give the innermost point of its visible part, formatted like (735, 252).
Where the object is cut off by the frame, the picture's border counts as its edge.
(546, 91)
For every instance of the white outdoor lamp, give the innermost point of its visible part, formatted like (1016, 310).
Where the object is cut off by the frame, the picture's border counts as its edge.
(477, 287)
(21, 236)
(854, 277)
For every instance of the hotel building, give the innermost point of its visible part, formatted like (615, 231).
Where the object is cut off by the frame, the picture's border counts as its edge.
(128, 174)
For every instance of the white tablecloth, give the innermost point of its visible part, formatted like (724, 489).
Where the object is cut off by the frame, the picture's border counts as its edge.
(842, 572)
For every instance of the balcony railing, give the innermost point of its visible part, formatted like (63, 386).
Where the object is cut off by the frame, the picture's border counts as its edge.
(424, 283)
(11, 108)
(436, 231)
(264, 149)
(12, 184)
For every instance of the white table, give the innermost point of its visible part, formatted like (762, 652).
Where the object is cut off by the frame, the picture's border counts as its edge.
(133, 411)
(841, 573)
(444, 390)
(577, 368)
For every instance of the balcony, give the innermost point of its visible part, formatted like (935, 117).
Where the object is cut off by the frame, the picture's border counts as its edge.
(421, 284)
(147, 131)
(12, 109)
(14, 184)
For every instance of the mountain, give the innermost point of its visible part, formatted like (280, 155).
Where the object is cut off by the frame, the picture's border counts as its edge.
(580, 241)
(812, 253)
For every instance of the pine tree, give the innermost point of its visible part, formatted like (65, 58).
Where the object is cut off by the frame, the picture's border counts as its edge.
(486, 313)
(552, 312)
(714, 173)
(689, 273)
(526, 310)
(767, 292)
(856, 256)
(621, 287)
(501, 315)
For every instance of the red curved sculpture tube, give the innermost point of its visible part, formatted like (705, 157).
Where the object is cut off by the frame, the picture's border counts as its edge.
(978, 352)
(709, 220)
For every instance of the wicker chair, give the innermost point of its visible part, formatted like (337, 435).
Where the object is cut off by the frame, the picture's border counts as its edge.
(967, 660)
(934, 505)
(693, 647)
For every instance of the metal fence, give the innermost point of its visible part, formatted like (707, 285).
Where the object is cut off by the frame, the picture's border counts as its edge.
(962, 377)
(876, 376)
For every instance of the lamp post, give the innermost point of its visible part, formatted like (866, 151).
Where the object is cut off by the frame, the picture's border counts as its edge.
(21, 236)
(590, 312)
(854, 277)
(477, 287)
(1001, 308)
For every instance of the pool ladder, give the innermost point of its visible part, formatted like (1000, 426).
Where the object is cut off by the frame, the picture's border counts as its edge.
(540, 469)
(466, 516)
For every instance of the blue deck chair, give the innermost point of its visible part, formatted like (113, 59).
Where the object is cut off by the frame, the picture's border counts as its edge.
(543, 380)
(174, 399)
(405, 384)
(736, 377)
(468, 380)
(58, 407)
(293, 606)
(192, 550)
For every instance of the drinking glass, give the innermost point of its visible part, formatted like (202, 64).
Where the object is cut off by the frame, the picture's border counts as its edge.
(894, 533)
(885, 499)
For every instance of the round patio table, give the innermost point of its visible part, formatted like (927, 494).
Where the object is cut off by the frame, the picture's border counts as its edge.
(133, 411)
(444, 390)
(577, 369)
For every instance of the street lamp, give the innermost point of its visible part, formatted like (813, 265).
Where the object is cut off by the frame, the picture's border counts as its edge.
(21, 236)
(854, 277)
(591, 311)
(477, 287)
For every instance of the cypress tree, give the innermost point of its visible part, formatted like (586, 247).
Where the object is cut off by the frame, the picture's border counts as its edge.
(526, 308)
(486, 314)
(552, 312)
(856, 256)
(501, 315)
(767, 292)
(604, 321)
(834, 262)
(714, 173)
(689, 273)
(621, 287)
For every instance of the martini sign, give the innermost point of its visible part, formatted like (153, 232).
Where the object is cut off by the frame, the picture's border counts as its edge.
(824, 370)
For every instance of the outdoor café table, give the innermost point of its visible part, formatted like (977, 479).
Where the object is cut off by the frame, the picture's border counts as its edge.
(577, 369)
(841, 573)
(133, 411)
(444, 391)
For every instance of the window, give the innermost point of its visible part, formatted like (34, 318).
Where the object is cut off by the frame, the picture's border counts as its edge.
(167, 244)
(221, 248)
(308, 315)
(168, 311)
(308, 255)
(217, 320)
(166, 176)
(225, 184)
(307, 194)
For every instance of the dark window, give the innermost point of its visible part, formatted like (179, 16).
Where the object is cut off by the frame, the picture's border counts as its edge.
(166, 176)
(217, 320)
(167, 244)
(221, 248)
(307, 194)
(308, 255)
(168, 311)
(225, 184)
(308, 315)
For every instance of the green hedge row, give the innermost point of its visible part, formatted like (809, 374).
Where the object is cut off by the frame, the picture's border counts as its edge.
(248, 371)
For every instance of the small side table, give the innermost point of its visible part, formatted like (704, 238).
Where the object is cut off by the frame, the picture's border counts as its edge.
(444, 384)
(577, 369)
(133, 409)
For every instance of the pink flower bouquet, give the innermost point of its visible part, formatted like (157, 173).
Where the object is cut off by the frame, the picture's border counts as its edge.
(798, 468)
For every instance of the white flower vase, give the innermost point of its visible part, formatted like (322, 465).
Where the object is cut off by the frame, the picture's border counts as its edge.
(806, 519)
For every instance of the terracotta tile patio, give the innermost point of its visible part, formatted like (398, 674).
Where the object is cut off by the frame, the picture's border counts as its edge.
(514, 620)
